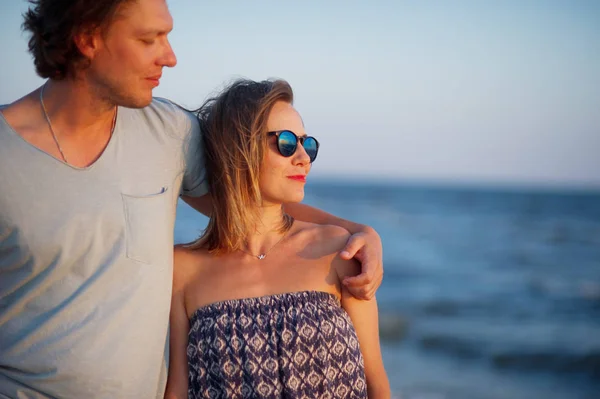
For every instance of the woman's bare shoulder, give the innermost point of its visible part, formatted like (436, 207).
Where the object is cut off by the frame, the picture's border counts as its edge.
(325, 242)
(324, 238)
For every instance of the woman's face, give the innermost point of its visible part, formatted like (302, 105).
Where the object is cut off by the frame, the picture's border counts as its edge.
(282, 178)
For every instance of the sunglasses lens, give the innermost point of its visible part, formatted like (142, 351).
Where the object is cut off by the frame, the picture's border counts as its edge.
(311, 147)
(287, 143)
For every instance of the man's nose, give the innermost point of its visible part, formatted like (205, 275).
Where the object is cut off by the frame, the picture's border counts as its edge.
(169, 59)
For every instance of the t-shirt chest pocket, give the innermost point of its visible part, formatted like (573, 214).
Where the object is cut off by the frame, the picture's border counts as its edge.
(148, 227)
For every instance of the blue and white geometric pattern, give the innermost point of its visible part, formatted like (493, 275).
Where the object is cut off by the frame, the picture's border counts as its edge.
(293, 345)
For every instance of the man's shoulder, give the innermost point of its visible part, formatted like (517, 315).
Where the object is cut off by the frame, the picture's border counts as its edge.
(162, 108)
(167, 116)
(166, 105)
(17, 116)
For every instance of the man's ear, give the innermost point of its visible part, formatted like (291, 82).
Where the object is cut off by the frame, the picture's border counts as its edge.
(88, 42)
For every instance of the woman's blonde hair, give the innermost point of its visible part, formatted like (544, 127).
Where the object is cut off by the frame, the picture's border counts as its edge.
(234, 127)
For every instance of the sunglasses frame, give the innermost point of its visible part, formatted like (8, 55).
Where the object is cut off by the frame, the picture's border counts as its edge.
(299, 140)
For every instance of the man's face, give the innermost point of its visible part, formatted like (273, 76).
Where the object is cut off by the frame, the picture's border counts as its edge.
(132, 52)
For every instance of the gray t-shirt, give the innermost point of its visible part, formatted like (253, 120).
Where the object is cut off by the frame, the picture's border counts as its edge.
(86, 258)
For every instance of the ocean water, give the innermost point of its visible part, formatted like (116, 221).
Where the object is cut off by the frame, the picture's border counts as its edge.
(487, 294)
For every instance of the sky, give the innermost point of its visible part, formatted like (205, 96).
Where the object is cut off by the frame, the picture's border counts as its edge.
(477, 92)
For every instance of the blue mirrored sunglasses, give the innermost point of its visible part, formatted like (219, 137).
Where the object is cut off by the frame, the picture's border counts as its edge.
(287, 143)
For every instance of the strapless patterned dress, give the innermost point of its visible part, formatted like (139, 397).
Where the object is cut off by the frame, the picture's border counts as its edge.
(292, 345)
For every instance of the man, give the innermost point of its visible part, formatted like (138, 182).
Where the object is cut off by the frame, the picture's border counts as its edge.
(91, 167)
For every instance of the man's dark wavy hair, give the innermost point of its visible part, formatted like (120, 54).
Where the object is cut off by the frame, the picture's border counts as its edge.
(53, 25)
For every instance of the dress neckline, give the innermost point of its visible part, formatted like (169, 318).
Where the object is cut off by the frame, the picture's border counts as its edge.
(294, 297)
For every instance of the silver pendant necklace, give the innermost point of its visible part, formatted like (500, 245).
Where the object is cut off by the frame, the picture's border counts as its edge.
(264, 255)
(62, 154)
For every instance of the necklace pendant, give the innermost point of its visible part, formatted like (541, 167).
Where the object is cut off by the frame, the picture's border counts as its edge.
(261, 256)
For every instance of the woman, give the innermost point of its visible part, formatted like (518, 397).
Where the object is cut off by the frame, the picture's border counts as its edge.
(258, 307)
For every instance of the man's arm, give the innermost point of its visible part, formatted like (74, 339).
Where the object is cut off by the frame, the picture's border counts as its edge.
(201, 204)
(364, 244)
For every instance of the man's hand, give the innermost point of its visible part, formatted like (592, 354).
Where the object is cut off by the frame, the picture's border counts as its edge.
(365, 246)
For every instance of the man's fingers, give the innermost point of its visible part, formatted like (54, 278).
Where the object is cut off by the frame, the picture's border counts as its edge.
(375, 286)
(364, 285)
(354, 244)
(366, 277)
(363, 279)
(359, 292)
(357, 281)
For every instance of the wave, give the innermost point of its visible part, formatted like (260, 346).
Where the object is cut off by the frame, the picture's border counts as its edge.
(557, 362)
(392, 327)
(453, 346)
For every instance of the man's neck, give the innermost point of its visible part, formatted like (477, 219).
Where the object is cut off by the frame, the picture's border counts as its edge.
(75, 108)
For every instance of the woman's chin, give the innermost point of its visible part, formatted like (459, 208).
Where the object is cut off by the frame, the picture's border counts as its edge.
(294, 199)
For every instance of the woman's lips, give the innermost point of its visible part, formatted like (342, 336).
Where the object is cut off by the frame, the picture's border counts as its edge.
(300, 178)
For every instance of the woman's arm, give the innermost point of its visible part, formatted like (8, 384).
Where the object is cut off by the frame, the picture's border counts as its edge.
(363, 314)
(177, 382)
